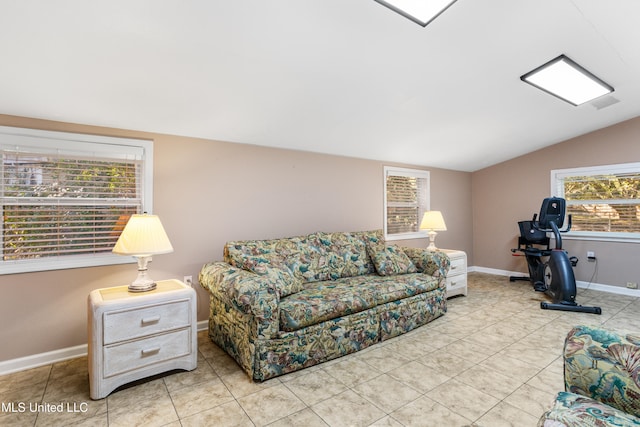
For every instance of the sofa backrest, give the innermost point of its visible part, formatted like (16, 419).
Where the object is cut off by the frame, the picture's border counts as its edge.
(310, 258)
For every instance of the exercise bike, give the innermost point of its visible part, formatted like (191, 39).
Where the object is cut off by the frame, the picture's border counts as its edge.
(554, 275)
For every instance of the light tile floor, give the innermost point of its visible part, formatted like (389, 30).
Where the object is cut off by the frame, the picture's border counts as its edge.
(493, 360)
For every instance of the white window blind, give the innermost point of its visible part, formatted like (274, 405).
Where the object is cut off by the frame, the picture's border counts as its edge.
(604, 201)
(406, 200)
(65, 198)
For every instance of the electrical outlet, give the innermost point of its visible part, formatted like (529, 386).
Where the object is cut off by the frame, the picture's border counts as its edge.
(591, 256)
(632, 285)
(188, 280)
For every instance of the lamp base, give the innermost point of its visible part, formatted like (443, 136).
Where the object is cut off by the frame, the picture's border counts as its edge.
(432, 241)
(134, 287)
(143, 282)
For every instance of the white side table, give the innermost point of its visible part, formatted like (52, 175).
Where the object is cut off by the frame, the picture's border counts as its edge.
(457, 277)
(136, 335)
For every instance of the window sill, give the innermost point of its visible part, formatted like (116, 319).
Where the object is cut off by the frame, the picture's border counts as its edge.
(31, 266)
(406, 236)
(602, 237)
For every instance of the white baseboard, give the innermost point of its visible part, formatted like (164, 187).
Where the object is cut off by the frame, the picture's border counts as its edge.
(203, 325)
(42, 359)
(494, 271)
(608, 288)
(579, 283)
(37, 360)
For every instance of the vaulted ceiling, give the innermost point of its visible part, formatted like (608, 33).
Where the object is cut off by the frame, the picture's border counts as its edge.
(346, 77)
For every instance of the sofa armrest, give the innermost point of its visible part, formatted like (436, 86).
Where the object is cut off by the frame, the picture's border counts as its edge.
(605, 366)
(434, 263)
(249, 292)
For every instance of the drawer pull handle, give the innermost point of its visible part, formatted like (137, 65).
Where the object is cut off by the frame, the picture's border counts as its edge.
(150, 320)
(453, 267)
(150, 351)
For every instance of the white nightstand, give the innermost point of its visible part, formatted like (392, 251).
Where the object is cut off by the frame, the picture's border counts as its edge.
(457, 277)
(136, 335)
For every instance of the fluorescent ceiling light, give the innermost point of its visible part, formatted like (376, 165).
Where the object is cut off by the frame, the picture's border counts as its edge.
(419, 11)
(567, 80)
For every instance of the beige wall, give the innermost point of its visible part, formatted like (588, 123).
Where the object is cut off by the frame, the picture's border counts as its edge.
(206, 193)
(512, 191)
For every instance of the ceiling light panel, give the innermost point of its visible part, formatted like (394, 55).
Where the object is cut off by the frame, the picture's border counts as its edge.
(567, 80)
(419, 11)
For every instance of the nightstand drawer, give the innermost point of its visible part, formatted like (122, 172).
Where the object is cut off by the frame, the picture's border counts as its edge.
(458, 266)
(142, 321)
(137, 354)
(456, 282)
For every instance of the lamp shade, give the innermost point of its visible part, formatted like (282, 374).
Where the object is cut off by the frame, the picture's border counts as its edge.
(142, 236)
(433, 220)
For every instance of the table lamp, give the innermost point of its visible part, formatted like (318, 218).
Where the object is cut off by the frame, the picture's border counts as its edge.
(432, 221)
(142, 237)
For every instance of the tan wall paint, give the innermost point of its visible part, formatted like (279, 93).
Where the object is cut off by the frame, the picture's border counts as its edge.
(206, 193)
(513, 191)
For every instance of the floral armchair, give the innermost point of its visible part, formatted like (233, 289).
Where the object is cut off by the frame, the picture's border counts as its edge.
(602, 384)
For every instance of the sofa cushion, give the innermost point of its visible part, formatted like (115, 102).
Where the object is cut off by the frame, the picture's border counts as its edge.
(347, 254)
(575, 410)
(236, 253)
(327, 300)
(391, 260)
(388, 260)
(304, 256)
(282, 278)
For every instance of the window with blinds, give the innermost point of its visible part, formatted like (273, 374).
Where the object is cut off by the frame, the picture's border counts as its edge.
(66, 198)
(604, 201)
(406, 199)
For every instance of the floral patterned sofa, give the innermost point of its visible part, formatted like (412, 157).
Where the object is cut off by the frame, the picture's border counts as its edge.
(601, 374)
(282, 305)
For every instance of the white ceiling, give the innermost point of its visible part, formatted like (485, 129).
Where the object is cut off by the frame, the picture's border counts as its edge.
(347, 77)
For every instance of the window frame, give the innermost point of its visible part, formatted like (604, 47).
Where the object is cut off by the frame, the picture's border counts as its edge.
(415, 173)
(46, 140)
(557, 190)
